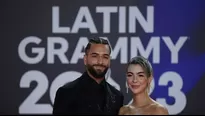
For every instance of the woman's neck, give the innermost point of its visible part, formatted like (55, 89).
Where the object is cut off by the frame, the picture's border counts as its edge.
(141, 100)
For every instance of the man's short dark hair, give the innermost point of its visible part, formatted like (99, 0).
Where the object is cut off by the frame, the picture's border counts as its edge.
(144, 63)
(97, 40)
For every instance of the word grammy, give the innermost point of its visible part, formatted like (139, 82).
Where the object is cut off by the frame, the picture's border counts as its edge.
(121, 48)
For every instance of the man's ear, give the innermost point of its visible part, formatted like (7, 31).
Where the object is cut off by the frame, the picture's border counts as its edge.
(85, 59)
(110, 61)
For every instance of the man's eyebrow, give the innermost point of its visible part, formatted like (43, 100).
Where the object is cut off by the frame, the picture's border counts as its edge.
(98, 54)
(94, 53)
(106, 54)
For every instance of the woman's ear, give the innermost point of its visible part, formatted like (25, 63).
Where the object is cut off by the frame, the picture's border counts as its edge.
(150, 79)
(149, 83)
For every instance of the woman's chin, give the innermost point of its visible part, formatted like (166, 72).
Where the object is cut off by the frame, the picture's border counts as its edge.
(135, 91)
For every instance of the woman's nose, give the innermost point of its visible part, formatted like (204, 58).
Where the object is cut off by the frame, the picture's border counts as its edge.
(135, 79)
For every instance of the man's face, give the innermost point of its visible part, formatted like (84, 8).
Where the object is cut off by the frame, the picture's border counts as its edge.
(97, 60)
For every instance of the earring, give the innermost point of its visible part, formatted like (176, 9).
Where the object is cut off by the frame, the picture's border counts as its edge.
(148, 88)
(127, 88)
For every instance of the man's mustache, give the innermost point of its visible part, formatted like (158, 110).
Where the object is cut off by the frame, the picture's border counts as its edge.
(100, 65)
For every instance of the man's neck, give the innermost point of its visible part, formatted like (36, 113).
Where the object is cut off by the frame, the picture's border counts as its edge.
(98, 80)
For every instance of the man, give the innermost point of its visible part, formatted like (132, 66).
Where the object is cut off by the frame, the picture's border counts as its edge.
(90, 93)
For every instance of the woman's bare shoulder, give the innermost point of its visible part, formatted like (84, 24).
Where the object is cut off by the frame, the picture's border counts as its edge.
(123, 109)
(160, 109)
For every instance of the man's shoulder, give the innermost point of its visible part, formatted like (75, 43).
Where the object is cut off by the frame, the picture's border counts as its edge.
(71, 85)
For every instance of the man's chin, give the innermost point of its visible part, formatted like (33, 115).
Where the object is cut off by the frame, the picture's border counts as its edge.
(99, 75)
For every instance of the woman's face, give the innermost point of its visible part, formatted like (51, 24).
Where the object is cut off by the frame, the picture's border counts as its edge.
(136, 79)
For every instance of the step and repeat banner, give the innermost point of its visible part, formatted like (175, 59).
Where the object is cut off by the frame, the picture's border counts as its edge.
(42, 44)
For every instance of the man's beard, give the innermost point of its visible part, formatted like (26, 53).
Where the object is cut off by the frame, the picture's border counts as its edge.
(97, 73)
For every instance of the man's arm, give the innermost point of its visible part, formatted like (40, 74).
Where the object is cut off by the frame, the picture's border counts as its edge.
(63, 102)
(122, 100)
(121, 105)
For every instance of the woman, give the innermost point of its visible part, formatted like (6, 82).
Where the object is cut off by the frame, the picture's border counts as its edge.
(139, 76)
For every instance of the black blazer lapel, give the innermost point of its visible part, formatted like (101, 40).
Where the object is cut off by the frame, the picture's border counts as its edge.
(109, 101)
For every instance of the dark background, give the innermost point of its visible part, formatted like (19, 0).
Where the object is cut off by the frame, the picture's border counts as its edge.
(22, 18)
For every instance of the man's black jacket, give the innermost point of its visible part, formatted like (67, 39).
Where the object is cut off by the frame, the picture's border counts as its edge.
(85, 96)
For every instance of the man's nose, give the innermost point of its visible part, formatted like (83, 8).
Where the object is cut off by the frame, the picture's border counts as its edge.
(100, 60)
